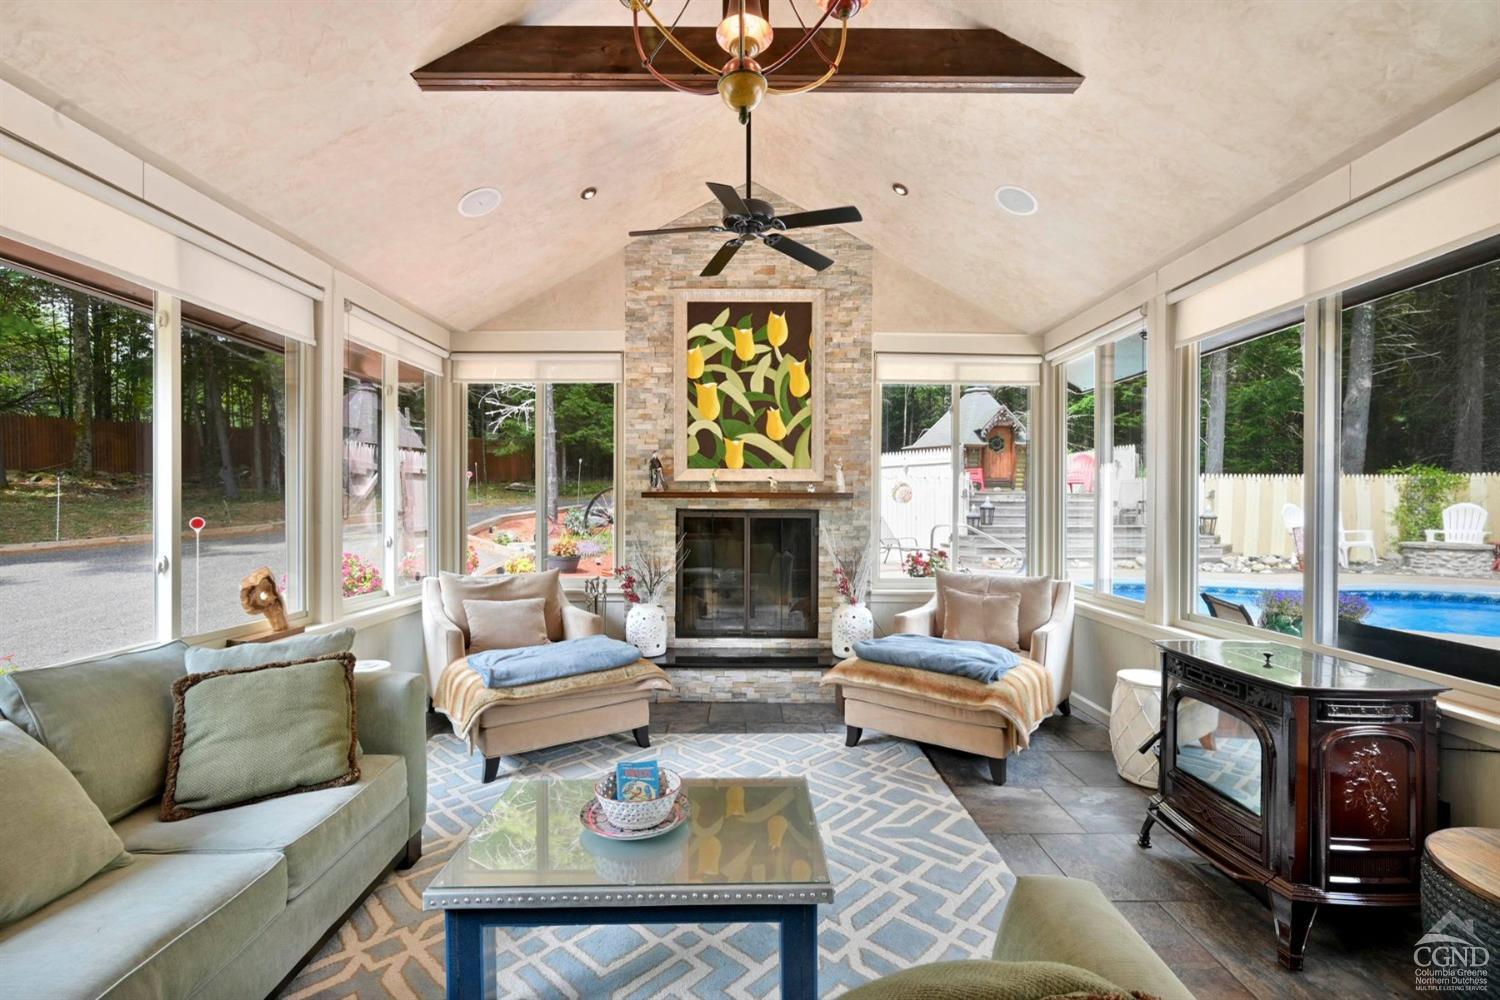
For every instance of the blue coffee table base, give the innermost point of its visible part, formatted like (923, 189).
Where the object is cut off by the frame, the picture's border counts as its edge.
(471, 965)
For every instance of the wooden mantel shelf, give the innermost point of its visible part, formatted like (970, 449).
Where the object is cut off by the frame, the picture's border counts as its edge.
(790, 493)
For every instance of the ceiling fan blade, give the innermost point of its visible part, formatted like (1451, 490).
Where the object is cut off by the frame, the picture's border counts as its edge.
(720, 259)
(802, 254)
(729, 198)
(683, 229)
(822, 217)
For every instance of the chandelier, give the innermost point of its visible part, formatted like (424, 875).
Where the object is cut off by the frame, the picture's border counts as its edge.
(745, 34)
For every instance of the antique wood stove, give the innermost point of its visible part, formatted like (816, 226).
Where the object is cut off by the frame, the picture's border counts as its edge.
(1309, 775)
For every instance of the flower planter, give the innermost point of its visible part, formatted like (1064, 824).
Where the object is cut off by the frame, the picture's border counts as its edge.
(851, 623)
(646, 628)
(568, 564)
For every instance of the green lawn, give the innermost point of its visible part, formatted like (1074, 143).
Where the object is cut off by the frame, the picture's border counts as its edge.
(496, 495)
(110, 506)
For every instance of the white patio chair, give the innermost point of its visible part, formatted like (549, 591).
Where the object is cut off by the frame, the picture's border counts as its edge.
(1362, 538)
(890, 541)
(1462, 522)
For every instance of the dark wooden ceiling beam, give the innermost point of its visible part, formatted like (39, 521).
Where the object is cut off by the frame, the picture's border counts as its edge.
(604, 58)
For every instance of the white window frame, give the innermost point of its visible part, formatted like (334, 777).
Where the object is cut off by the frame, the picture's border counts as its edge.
(430, 382)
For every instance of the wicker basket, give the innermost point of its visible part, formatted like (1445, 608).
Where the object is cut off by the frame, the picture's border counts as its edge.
(1442, 895)
(638, 815)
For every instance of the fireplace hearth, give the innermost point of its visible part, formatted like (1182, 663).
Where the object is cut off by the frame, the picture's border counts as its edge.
(748, 574)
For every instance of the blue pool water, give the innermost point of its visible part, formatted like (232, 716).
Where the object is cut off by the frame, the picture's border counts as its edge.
(1450, 611)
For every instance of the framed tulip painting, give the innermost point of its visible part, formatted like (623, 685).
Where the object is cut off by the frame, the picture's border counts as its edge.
(749, 379)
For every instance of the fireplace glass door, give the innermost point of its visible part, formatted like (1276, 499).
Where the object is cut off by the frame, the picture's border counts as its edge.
(748, 574)
(1221, 750)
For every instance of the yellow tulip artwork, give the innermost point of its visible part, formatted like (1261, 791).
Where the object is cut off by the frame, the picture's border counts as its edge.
(747, 370)
(776, 331)
(775, 426)
(744, 344)
(776, 830)
(734, 800)
(800, 385)
(734, 453)
(708, 401)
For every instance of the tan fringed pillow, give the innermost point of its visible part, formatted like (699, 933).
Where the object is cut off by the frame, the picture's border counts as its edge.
(454, 590)
(506, 624)
(992, 618)
(254, 733)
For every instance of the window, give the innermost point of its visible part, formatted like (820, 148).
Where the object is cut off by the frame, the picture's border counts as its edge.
(77, 561)
(239, 424)
(1104, 468)
(364, 456)
(951, 500)
(414, 489)
(1419, 459)
(916, 479)
(563, 518)
(1080, 467)
(1249, 506)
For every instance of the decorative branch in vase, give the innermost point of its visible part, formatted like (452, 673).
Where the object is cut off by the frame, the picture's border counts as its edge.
(852, 621)
(644, 582)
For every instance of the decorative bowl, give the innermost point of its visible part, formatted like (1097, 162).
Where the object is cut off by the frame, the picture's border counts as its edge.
(637, 815)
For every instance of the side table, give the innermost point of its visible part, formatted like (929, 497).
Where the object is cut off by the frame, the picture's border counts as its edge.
(1135, 715)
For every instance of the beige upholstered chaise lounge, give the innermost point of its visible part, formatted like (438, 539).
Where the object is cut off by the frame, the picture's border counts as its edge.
(956, 712)
(516, 720)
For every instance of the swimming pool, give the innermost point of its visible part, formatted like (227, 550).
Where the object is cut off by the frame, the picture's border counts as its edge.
(1455, 612)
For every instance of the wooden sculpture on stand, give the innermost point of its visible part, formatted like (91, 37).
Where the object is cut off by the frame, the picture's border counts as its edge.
(259, 595)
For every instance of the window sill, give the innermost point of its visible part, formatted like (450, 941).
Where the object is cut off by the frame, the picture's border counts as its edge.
(371, 613)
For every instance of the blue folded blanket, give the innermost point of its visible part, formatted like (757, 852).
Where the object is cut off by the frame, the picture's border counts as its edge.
(504, 668)
(980, 661)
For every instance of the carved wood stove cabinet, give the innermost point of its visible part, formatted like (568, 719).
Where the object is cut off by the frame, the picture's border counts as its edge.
(1316, 778)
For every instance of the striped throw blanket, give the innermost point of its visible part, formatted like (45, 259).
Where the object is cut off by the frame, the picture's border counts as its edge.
(1022, 697)
(462, 695)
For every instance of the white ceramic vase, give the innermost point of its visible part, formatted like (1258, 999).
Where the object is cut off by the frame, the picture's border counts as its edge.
(646, 628)
(851, 623)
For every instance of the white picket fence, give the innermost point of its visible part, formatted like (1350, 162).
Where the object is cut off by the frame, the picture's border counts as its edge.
(929, 473)
(1249, 508)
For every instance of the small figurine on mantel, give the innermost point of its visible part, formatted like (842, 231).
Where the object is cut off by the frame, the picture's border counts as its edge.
(713, 481)
(658, 474)
(838, 477)
(812, 488)
(772, 484)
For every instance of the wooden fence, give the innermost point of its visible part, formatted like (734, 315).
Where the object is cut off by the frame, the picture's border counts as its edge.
(493, 468)
(1249, 508)
(30, 443)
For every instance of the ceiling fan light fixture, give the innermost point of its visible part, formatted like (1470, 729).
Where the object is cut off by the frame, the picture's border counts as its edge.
(757, 28)
(479, 202)
(1015, 200)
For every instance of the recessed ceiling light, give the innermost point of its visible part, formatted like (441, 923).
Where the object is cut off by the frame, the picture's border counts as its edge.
(587, 194)
(480, 201)
(1016, 201)
(899, 188)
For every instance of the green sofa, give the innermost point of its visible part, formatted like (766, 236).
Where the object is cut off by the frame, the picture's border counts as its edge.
(226, 904)
(1049, 919)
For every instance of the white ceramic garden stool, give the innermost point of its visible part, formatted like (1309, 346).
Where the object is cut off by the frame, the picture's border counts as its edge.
(646, 628)
(851, 623)
(1134, 714)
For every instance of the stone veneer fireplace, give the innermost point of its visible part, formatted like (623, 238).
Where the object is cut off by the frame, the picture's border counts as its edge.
(655, 270)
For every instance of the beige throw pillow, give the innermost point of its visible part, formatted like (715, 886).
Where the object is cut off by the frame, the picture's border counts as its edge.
(52, 836)
(455, 589)
(1035, 593)
(992, 618)
(506, 624)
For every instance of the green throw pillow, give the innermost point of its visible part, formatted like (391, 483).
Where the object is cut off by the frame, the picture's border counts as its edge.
(256, 654)
(988, 980)
(52, 836)
(253, 733)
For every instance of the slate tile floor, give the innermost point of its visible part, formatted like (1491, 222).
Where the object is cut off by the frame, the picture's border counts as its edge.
(1064, 810)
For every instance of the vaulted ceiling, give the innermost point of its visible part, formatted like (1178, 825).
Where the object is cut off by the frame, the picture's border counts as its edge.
(1191, 114)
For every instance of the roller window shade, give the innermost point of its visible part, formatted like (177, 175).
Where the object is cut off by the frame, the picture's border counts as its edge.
(1119, 326)
(40, 211)
(579, 367)
(372, 331)
(917, 369)
(1463, 209)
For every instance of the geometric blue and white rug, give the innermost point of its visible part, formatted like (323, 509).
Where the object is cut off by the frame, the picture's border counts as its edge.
(915, 879)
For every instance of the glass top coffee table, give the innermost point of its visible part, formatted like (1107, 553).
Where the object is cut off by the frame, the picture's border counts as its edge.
(750, 853)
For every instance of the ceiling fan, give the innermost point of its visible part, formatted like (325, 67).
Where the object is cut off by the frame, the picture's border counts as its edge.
(753, 219)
